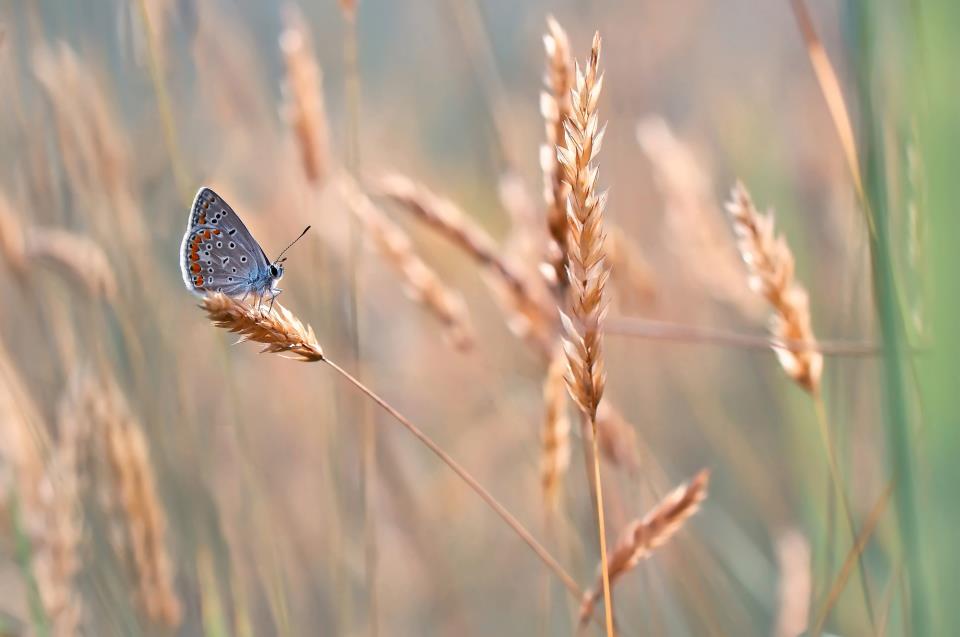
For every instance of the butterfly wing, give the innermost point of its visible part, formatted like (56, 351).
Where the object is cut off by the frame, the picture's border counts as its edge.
(218, 253)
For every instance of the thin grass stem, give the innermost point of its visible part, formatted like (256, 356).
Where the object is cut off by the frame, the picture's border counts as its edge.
(163, 106)
(860, 543)
(837, 479)
(676, 332)
(601, 530)
(471, 482)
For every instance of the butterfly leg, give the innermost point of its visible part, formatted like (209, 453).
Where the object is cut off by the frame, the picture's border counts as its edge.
(273, 297)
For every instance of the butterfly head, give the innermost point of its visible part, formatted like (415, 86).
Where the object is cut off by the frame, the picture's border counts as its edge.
(276, 271)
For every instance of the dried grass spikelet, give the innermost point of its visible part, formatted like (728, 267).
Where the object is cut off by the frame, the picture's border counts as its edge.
(555, 109)
(617, 438)
(640, 537)
(46, 485)
(694, 224)
(587, 270)
(56, 560)
(304, 107)
(793, 590)
(23, 435)
(771, 266)
(536, 322)
(529, 312)
(92, 145)
(12, 248)
(526, 236)
(554, 433)
(78, 257)
(134, 492)
(277, 329)
(630, 273)
(422, 283)
(95, 153)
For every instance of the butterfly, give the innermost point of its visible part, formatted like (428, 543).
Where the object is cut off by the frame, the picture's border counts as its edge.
(218, 253)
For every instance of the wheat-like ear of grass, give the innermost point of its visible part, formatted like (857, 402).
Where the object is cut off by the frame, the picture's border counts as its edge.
(76, 256)
(632, 276)
(46, 507)
(449, 220)
(134, 493)
(693, 224)
(771, 267)
(587, 272)
(423, 284)
(640, 537)
(554, 434)
(277, 329)
(555, 109)
(303, 92)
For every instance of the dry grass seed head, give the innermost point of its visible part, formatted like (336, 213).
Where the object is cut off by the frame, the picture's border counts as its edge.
(529, 313)
(277, 329)
(632, 276)
(422, 283)
(641, 537)
(586, 270)
(92, 146)
(133, 489)
(555, 109)
(46, 482)
(76, 256)
(554, 433)
(304, 106)
(694, 226)
(771, 266)
(536, 322)
(56, 559)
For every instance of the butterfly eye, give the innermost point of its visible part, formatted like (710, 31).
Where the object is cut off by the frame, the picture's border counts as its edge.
(273, 270)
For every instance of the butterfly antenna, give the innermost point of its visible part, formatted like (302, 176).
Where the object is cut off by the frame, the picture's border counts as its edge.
(280, 258)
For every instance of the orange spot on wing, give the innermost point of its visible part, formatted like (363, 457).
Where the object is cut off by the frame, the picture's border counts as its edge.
(216, 232)
(194, 256)
(206, 234)
(198, 281)
(195, 267)
(202, 220)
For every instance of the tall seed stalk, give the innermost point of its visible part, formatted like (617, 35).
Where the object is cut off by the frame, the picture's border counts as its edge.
(587, 271)
(771, 265)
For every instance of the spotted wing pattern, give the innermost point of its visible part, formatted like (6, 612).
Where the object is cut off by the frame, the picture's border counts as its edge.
(218, 253)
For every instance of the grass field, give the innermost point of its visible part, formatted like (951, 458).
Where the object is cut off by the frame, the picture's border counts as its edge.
(612, 318)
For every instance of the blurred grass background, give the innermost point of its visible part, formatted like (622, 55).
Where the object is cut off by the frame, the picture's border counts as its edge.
(258, 462)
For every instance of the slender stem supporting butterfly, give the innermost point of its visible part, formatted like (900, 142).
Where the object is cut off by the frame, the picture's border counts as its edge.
(218, 253)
